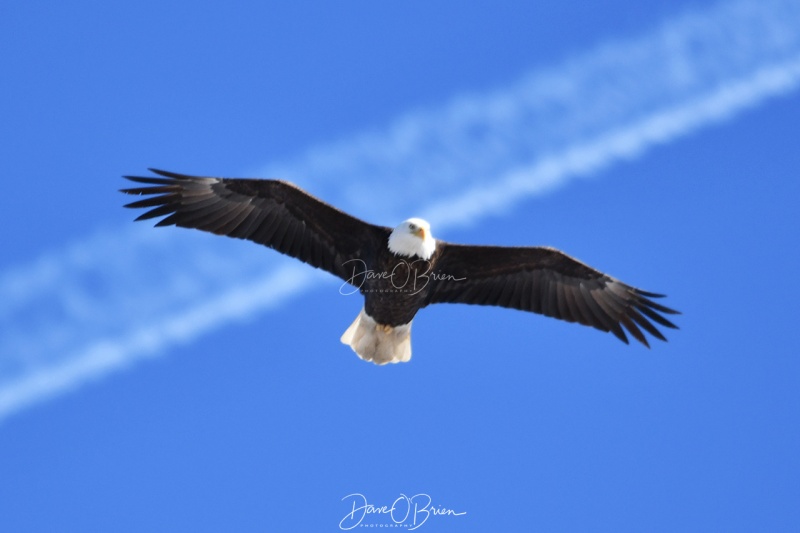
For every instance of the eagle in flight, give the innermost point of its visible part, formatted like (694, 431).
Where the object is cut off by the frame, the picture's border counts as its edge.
(399, 271)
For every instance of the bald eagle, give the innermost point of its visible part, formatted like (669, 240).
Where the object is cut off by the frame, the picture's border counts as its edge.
(399, 271)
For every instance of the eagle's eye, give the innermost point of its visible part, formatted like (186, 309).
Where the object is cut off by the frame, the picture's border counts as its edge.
(412, 227)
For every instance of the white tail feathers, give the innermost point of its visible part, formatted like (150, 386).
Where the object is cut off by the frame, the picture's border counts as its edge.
(378, 343)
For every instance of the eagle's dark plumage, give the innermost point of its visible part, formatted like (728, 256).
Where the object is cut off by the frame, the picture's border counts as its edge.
(283, 217)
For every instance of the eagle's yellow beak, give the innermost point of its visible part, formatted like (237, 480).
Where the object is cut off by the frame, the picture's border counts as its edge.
(420, 233)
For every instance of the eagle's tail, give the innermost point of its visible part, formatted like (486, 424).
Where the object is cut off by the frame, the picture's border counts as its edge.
(378, 343)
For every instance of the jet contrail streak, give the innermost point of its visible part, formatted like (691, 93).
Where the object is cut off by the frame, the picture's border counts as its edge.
(105, 355)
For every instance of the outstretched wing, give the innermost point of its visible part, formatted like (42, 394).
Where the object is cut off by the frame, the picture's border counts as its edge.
(270, 212)
(546, 281)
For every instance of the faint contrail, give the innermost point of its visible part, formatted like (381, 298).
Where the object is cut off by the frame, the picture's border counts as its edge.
(102, 355)
(105, 301)
(625, 142)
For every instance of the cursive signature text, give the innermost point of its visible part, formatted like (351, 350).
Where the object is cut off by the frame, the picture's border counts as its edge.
(410, 511)
(411, 277)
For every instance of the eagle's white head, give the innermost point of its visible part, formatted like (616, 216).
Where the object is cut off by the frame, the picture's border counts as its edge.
(412, 237)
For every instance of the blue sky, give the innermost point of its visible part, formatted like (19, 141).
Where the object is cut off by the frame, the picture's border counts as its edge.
(165, 380)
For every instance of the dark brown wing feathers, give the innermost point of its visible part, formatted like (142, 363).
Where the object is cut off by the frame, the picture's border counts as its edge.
(270, 212)
(282, 216)
(549, 282)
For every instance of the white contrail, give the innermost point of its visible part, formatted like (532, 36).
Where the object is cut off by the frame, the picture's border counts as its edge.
(104, 355)
(105, 301)
(619, 144)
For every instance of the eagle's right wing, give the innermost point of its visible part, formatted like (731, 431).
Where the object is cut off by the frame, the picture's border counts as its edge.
(274, 213)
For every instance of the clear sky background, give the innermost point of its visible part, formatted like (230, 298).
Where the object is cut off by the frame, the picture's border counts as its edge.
(165, 380)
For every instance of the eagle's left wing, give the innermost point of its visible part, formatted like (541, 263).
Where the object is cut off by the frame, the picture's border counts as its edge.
(546, 281)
